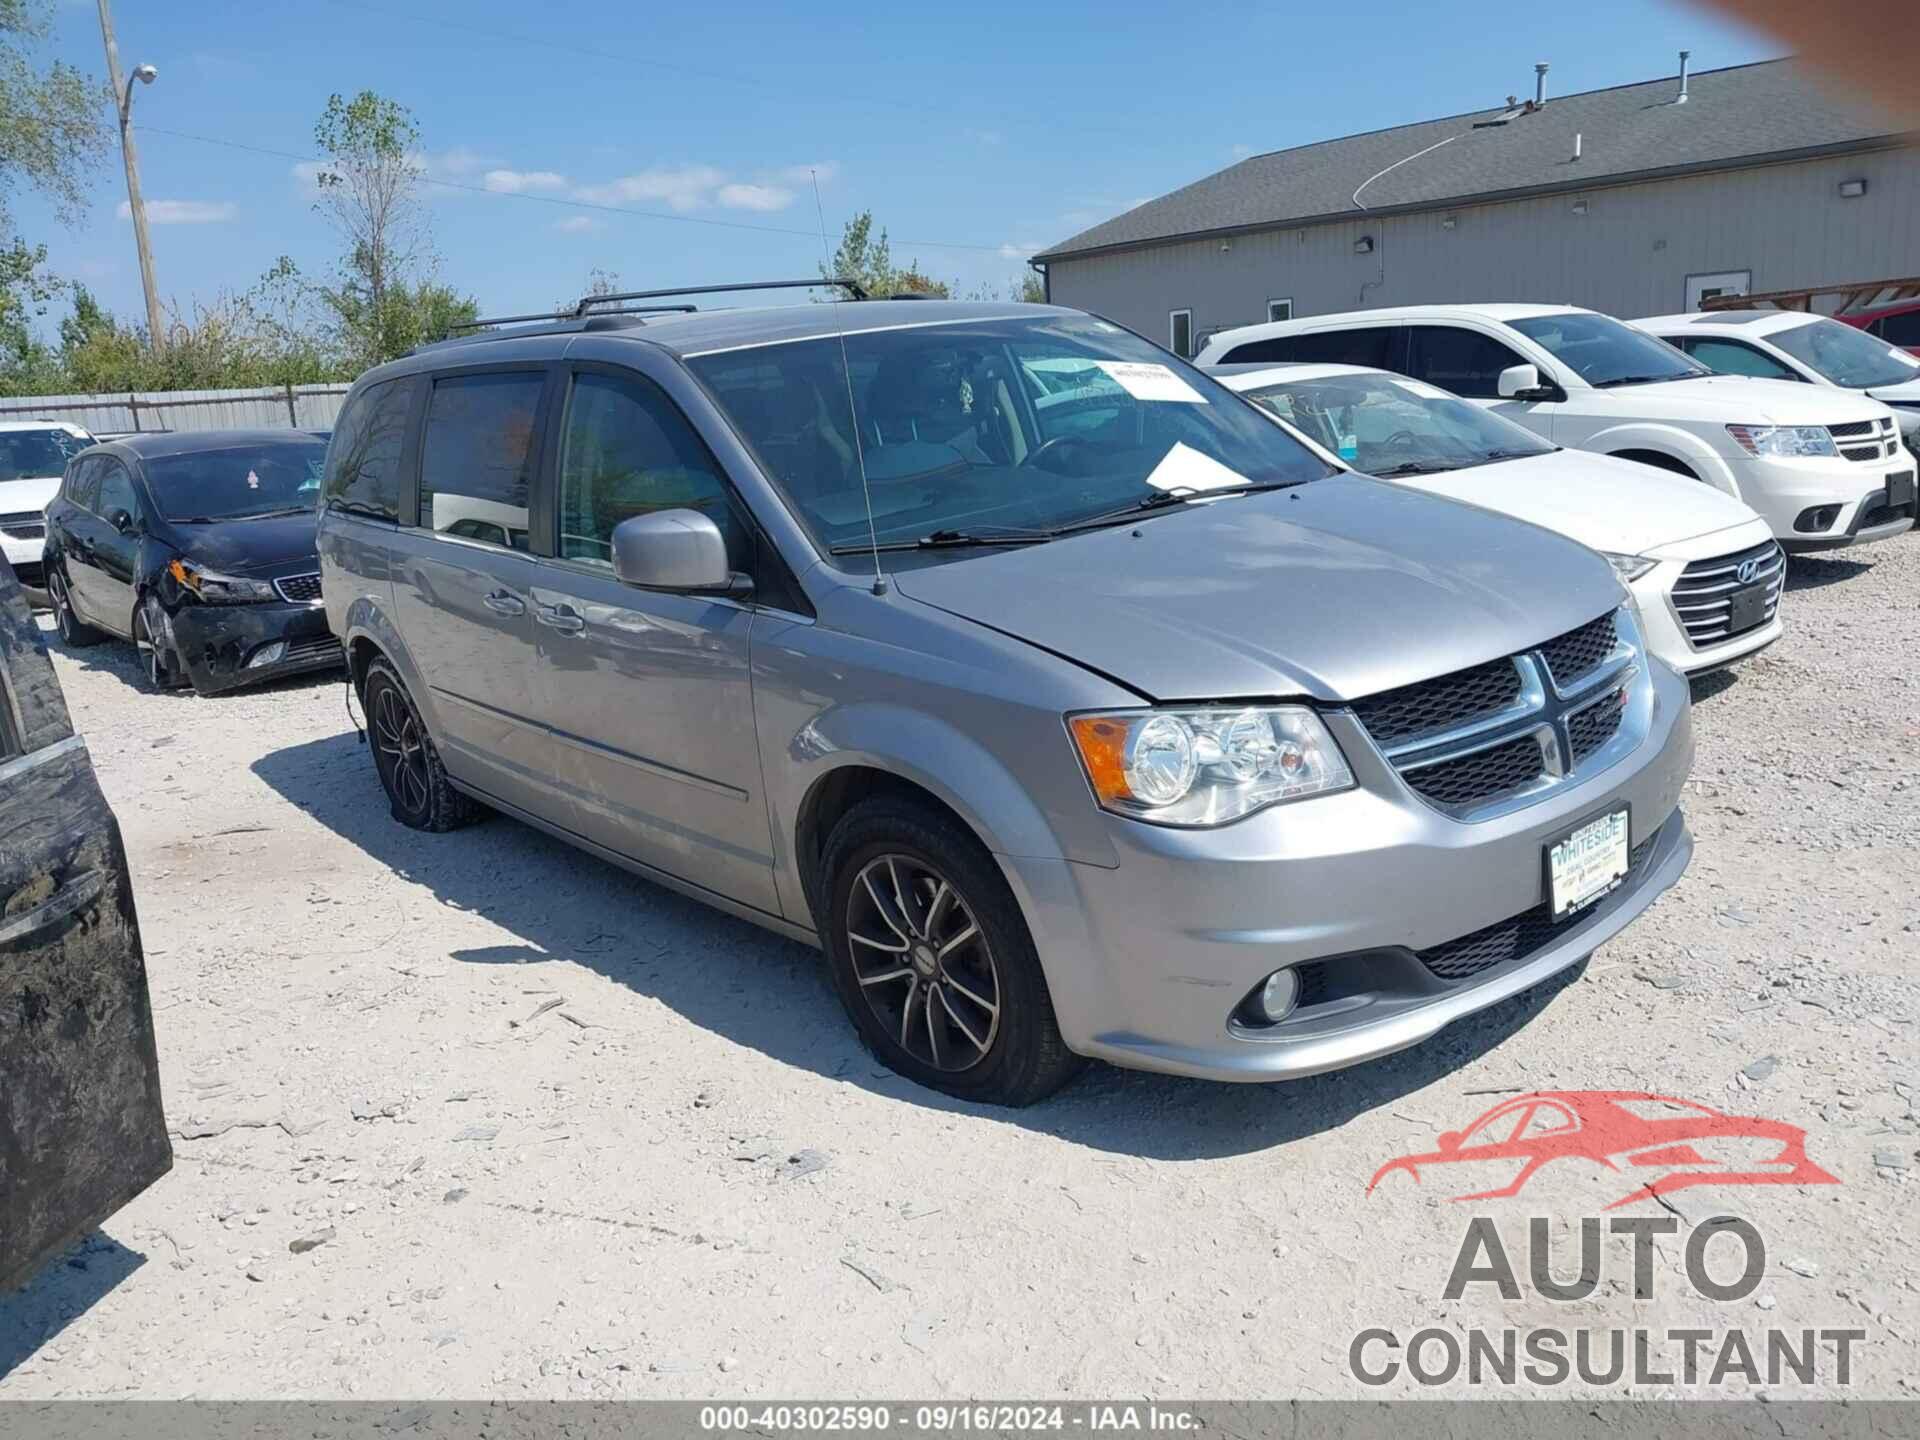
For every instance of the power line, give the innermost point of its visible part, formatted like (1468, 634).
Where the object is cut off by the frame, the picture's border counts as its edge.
(561, 201)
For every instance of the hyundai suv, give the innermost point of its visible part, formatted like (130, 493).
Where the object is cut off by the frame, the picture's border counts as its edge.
(1822, 467)
(1068, 704)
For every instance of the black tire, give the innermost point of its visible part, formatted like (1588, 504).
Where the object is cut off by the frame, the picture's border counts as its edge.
(1654, 460)
(164, 670)
(1023, 1057)
(418, 791)
(72, 631)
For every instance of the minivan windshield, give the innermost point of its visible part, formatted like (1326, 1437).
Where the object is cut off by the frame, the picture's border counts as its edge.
(1385, 425)
(37, 454)
(1846, 356)
(1605, 353)
(996, 428)
(240, 482)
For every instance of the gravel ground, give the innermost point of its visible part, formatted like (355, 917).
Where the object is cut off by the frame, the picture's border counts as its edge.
(539, 1129)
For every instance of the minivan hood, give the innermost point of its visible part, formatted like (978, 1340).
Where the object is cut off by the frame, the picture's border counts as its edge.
(1741, 400)
(1333, 590)
(17, 497)
(1602, 502)
(243, 546)
(1906, 391)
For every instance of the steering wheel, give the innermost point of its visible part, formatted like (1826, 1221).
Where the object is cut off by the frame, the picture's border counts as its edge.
(1050, 447)
(1401, 440)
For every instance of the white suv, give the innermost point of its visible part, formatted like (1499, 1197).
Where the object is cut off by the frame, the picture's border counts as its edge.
(1824, 467)
(33, 457)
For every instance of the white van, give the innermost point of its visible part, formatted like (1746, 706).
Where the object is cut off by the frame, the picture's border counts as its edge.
(1824, 467)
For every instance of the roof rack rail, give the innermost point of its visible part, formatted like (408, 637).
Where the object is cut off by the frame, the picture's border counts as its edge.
(588, 304)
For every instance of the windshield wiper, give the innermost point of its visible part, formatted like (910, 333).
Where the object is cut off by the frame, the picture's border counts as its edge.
(1516, 454)
(283, 510)
(192, 520)
(1642, 380)
(940, 540)
(1166, 499)
(1413, 467)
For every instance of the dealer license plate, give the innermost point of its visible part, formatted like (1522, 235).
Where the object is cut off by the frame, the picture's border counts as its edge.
(1587, 864)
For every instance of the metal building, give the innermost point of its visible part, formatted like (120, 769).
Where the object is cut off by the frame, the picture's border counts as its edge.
(1637, 200)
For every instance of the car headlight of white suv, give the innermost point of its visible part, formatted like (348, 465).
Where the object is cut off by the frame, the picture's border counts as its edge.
(1784, 441)
(1199, 767)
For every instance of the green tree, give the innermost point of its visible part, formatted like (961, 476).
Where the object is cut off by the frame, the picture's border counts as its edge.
(868, 259)
(1033, 290)
(51, 133)
(369, 187)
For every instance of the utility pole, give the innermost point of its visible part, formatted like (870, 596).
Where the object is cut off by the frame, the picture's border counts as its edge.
(123, 102)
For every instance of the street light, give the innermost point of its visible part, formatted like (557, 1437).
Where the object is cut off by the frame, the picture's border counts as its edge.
(123, 96)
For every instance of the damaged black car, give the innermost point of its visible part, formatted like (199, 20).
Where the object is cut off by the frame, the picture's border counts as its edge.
(199, 548)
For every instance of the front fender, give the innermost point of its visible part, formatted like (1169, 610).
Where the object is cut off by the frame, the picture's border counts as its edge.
(366, 618)
(917, 747)
(1669, 440)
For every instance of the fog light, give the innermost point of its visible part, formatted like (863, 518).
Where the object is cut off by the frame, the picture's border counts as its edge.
(1278, 996)
(268, 655)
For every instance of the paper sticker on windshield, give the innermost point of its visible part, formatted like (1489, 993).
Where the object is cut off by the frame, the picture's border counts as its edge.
(253, 481)
(1184, 468)
(1150, 382)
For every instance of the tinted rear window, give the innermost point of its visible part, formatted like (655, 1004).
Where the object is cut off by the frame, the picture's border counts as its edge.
(239, 481)
(363, 461)
(1372, 347)
(477, 461)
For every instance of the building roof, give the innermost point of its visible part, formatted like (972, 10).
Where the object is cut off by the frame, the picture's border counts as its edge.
(1744, 114)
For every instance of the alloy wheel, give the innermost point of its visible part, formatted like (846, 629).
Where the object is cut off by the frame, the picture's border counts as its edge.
(62, 613)
(396, 737)
(925, 969)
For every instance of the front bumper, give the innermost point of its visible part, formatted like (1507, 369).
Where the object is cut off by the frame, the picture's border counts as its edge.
(26, 556)
(1148, 961)
(1657, 608)
(1786, 492)
(221, 645)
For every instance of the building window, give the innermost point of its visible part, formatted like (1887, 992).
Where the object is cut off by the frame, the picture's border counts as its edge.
(1180, 333)
(1279, 310)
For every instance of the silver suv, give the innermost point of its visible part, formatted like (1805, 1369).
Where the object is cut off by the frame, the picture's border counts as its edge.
(1072, 707)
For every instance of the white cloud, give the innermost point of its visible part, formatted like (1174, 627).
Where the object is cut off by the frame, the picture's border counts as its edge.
(686, 187)
(754, 197)
(1240, 152)
(307, 175)
(184, 212)
(521, 182)
(453, 164)
(1011, 251)
(577, 225)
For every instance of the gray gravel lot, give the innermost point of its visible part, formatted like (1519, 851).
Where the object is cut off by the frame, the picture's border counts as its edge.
(476, 1115)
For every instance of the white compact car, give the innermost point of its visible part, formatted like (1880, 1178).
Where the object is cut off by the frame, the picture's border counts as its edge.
(33, 457)
(1703, 569)
(1793, 345)
(1824, 467)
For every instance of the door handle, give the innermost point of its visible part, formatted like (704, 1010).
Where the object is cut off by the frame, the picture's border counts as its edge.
(501, 603)
(562, 617)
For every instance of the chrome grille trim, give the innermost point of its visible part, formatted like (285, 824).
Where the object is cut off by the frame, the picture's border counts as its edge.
(1543, 712)
(1700, 596)
(299, 589)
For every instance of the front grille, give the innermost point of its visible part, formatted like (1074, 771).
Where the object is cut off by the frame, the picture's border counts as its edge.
(1579, 652)
(1589, 729)
(1481, 776)
(1853, 427)
(1512, 939)
(299, 589)
(320, 649)
(1394, 717)
(1701, 594)
(1866, 453)
(26, 525)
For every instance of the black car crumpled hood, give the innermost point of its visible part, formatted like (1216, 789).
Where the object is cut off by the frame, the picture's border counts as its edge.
(276, 544)
(1333, 590)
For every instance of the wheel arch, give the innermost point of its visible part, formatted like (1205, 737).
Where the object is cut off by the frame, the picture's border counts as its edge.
(1669, 448)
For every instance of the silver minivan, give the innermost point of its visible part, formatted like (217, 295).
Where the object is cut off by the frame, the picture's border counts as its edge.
(1070, 706)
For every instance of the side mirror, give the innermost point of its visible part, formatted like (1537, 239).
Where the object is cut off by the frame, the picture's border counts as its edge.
(1523, 382)
(675, 550)
(121, 521)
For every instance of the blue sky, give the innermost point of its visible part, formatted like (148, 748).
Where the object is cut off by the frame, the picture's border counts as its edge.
(975, 133)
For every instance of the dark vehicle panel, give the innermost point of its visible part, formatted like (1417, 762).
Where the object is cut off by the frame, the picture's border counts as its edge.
(81, 1126)
(200, 549)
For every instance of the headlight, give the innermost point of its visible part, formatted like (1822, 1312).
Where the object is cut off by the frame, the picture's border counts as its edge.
(1628, 567)
(1206, 766)
(1783, 440)
(217, 589)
